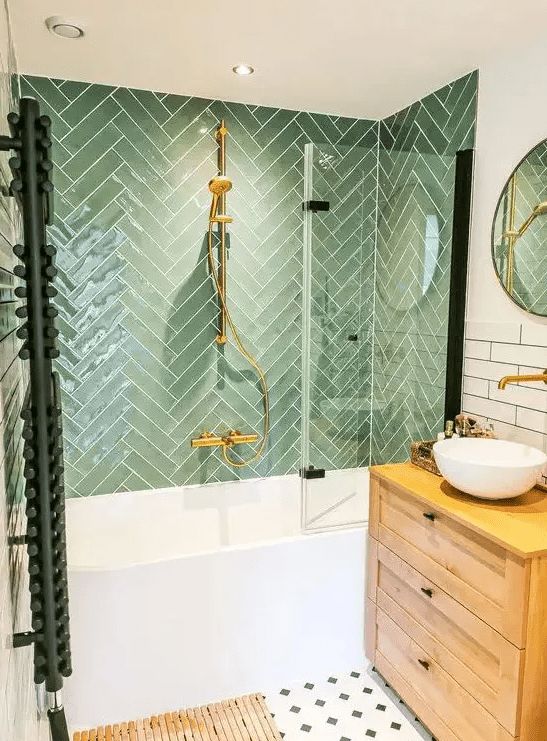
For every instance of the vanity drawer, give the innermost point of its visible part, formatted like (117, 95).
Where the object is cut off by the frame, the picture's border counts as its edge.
(469, 650)
(432, 685)
(490, 581)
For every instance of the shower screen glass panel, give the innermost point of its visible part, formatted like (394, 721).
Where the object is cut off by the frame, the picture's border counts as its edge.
(412, 291)
(338, 329)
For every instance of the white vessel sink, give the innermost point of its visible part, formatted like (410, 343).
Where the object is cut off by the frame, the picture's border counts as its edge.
(489, 469)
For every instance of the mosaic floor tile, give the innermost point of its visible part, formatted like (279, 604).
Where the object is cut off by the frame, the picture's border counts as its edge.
(344, 707)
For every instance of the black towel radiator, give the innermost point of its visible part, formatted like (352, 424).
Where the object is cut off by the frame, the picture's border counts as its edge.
(31, 165)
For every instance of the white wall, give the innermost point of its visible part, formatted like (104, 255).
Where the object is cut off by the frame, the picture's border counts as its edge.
(512, 119)
(501, 338)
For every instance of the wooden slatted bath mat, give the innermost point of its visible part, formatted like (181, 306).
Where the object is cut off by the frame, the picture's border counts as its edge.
(243, 719)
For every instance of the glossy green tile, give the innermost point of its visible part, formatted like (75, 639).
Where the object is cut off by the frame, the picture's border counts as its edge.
(150, 408)
(81, 189)
(71, 88)
(143, 467)
(101, 142)
(112, 389)
(108, 458)
(85, 104)
(138, 306)
(103, 213)
(86, 129)
(416, 182)
(148, 149)
(152, 103)
(99, 446)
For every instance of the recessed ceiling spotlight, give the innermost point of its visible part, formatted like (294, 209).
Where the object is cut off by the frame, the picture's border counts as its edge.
(68, 29)
(243, 69)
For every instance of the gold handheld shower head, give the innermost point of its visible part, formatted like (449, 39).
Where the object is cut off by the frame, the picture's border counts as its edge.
(218, 186)
(539, 210)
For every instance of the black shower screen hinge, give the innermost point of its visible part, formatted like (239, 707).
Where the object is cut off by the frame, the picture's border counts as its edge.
(310, 472)
(316, 206)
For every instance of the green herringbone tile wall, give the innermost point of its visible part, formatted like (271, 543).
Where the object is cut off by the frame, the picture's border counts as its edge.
(414, 233)
(141, 373)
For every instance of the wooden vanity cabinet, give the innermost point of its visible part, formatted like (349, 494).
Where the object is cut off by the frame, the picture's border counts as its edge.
(457, 605)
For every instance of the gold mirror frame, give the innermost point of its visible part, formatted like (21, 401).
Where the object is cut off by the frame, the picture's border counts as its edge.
(514, 231)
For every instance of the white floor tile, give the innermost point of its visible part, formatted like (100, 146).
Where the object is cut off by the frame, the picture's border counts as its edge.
(344, 707)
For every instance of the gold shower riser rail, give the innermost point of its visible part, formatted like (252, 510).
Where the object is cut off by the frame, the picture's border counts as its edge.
(219, 186)
(221, 139)
(243, 719)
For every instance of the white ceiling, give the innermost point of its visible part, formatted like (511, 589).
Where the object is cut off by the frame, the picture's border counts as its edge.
(363, 58)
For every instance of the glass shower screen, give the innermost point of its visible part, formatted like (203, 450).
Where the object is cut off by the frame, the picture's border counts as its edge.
(338, 307)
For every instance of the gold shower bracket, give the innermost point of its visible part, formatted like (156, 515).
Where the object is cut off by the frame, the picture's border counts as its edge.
(234, 437)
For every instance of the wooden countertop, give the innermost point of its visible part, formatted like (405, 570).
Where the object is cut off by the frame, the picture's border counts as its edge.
(519, 525)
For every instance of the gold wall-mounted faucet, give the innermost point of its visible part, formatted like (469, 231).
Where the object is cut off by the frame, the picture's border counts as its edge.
(530, 378)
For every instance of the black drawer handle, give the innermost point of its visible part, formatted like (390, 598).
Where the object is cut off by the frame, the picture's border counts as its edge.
(425, 664)
(430, 516)
(428, 592)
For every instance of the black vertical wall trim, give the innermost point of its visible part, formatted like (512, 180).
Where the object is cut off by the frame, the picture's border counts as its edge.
(458, 281)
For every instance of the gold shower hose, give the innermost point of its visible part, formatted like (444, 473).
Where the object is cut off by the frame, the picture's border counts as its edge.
(248, 357)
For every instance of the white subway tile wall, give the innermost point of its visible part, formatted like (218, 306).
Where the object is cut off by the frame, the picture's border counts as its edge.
(19, 716)
(493, 350)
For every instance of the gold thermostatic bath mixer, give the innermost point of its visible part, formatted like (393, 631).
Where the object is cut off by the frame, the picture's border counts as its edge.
(219, 186)
(234, 437)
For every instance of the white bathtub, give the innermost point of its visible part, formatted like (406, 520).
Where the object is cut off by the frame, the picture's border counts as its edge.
(184, 596)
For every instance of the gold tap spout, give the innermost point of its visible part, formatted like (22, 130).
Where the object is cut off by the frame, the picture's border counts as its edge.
(523, 379)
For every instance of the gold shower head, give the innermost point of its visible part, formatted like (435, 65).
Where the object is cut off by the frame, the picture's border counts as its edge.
(218, 186)
(539, 210)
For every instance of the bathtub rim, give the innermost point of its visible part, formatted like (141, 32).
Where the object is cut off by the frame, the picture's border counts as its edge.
(327, 532)
(300, 531)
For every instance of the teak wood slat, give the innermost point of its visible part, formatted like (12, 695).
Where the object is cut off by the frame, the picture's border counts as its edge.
(245, 718)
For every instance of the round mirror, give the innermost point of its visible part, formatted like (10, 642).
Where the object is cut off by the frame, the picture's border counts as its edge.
(519, 233)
